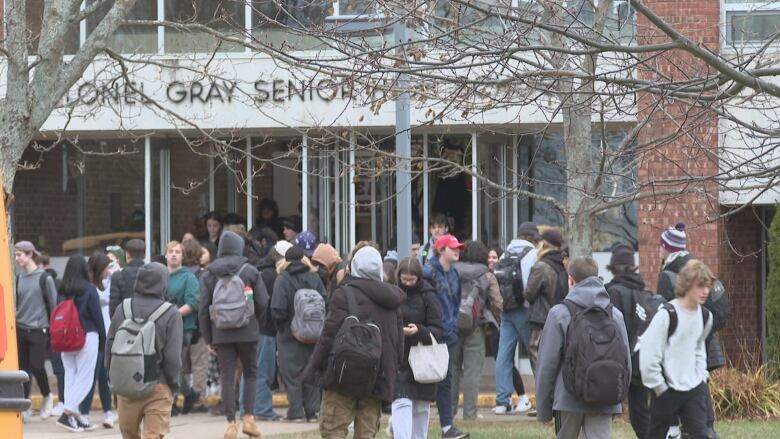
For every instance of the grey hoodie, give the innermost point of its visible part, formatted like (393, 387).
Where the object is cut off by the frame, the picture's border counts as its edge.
(551, 394)
(367, 264)
(148, 294)
(31, 311)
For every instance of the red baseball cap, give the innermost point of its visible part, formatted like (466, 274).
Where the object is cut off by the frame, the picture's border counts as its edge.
(448, 241)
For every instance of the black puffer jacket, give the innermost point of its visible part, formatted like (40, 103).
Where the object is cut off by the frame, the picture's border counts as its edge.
(267, 269)
(421, 307)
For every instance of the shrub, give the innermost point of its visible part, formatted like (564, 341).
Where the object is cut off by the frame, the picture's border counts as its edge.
(744, 395)
(773, 297)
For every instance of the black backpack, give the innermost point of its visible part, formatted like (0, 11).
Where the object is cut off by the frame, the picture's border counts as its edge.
(639, 308)
(509, 274)
(355, 357)
(561, 282)
(595, 361)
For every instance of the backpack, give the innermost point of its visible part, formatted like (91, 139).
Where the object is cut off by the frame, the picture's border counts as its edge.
(67, 333)
(640, 307)
(232, 305)
(134, 367)
(595, 362)
(561, 283)
(355, 357)
(470, 309)
(309, 314)
(509, 274)
(717, 302)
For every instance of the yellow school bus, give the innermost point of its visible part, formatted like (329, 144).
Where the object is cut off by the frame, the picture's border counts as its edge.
(12, 401)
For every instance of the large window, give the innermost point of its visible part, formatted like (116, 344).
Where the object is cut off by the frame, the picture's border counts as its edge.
(128, 39)
(751, 21)
(225, 16)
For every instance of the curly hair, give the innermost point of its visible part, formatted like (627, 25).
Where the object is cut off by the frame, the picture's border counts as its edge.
(694, 274)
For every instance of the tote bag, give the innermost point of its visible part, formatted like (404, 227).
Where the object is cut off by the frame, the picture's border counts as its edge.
(429, 363)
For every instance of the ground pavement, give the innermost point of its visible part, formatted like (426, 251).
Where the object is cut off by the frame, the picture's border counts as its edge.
(205, 426)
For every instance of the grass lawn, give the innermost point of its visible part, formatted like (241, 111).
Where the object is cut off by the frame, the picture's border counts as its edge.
(620, 430)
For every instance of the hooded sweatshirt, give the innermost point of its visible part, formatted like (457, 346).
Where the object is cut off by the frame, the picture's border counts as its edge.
(31, 309)
(297, 276)
(551, 394)
(184, 289)
(228, 263)
(149, 294)
(376, 301)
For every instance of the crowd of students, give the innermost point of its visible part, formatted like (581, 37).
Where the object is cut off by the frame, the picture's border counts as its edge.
(230, 312)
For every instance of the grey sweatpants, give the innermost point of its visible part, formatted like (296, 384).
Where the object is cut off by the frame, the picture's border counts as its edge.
(569, 425)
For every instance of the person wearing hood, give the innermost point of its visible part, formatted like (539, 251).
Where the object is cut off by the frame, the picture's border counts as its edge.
(381, 303)
(328, 262)
(625, 285)
(422, 320)
(295, 274)
(154, 411)
(470, 349)
(234, 343)
(514, 327)
(440, 271)
(574, 417)
(546, 287)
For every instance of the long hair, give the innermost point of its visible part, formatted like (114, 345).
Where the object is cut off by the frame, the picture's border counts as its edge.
(474, 252)
(544, 248)
(75, 280)
(97, 264)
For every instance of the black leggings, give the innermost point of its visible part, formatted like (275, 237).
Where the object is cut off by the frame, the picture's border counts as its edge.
(227, 355)
(33, 346)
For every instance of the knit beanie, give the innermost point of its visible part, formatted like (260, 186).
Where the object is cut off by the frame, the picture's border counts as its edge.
(622, 255)
(673, 238)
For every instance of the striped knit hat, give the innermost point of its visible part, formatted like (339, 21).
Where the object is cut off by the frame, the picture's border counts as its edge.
(673, 238)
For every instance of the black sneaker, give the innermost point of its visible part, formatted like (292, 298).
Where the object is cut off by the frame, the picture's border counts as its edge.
(312, 418)
(69, 423)
(454, 433)
(189, 402)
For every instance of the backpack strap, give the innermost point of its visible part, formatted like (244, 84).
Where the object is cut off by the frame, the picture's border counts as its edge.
(351, 302)
(240, 270)
(157, 313)
(127, 308)
(672, 319)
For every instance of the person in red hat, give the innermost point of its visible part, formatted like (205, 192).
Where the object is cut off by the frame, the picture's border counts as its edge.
(442, 273)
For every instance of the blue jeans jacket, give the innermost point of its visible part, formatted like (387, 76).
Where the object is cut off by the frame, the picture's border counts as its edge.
(447, 284)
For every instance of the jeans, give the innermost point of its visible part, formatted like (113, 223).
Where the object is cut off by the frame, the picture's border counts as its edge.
(101, 381)
(514, 329)
(266, 369)
(410, 418)
(469, 356)
(444, 393)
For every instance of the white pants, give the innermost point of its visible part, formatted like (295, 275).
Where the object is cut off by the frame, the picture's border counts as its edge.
(80, 372)
(410, 418)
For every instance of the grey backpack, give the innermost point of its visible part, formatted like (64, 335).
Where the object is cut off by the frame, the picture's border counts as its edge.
(309, 315)
(134, 367)
(233, 304)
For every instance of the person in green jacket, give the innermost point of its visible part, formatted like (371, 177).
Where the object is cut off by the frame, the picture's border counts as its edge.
(184, 292)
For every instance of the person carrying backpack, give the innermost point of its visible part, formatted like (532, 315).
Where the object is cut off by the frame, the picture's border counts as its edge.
(148, 399)
(480, 305)
(233, 300)
(547, 286)
(36, 297)
(357, 357)
(578, 381)
(627, 293)
(122, 281)
(78, 332)
(298, 311)
(673, 357)
(512, 271)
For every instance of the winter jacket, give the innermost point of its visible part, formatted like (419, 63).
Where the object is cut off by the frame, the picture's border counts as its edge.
(540, 291)
(229, 262)
(517, 246)
(422, 308)
(267, 268)
(123, 283)
(489, 292)
(184, 289)
(551, 394)
(297, 276)
(620, 290)
(379, 302)
(88, 304)
(149, 294)
(447, 284)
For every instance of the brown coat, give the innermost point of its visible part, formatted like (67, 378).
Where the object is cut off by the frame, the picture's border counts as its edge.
(378, 302)
(540, 291)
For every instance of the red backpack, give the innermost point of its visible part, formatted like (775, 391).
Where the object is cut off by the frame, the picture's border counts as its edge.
(67, 334)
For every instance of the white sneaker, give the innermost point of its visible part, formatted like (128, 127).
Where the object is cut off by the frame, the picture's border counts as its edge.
(26, 415)
(58, 409)
(502, 409)
(46, 406)
(109, 419)
(674, 432)
(523, 406)
(83, 421)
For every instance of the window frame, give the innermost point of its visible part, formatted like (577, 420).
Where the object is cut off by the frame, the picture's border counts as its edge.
(744, 8)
